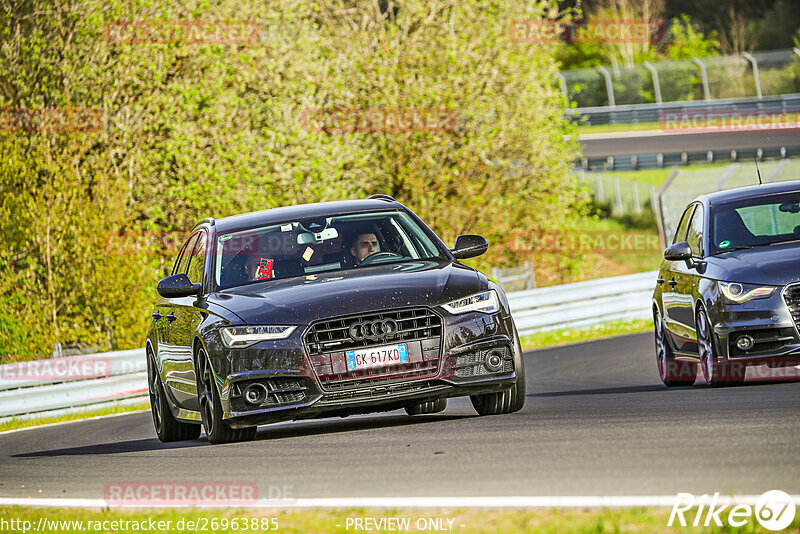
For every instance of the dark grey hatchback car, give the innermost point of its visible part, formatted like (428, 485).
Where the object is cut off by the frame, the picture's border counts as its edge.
(728, 292)
(323, 310)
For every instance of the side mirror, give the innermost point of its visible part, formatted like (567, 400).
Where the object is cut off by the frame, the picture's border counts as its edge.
(678, 252)
(176, 286)
(469, 246)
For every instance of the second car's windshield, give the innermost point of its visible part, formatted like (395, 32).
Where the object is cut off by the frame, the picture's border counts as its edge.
(754, 222)
(316, 245)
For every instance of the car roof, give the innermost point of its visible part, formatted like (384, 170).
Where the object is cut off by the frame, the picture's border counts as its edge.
(750, 191)
(302, 211)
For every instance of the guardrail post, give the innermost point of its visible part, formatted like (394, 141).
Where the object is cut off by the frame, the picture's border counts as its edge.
(749, 57)
(656, 85)
(796, 51)
(618, 195)
(637, 207)
(563, 81)
(609, 86)
(704, 75)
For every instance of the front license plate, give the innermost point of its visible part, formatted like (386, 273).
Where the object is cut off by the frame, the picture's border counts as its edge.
(376, 357)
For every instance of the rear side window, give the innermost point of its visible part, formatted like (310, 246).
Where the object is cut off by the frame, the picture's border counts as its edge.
(680, 233)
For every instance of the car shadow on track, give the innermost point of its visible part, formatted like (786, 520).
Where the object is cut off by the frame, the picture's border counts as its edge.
(601, 391)
(322, 426)
(285, 430)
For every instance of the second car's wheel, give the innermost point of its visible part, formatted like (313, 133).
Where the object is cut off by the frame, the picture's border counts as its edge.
(167, 427)
(671, 371)
(716, 372)
(216, 429)
(422, 408)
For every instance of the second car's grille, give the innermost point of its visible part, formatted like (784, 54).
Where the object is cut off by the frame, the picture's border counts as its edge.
(792, 298)
(334, 334)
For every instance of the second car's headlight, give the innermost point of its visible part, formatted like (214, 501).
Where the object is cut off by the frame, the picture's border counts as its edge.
(485, 302)
(741, 293)
(244, 336)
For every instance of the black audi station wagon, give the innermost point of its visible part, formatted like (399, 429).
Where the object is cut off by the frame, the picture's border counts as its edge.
(320, 310)
(728, 292)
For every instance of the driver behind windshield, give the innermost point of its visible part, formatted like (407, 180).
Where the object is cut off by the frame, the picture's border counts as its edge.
(364, 244)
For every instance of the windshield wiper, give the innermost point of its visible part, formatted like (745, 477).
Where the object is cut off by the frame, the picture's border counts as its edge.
(740, 247)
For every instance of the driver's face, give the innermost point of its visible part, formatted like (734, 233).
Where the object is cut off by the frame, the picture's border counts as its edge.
(364, 245)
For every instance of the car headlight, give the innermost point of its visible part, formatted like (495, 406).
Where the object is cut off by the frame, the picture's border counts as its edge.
(741, 293)
(485, 302)
(244, 336)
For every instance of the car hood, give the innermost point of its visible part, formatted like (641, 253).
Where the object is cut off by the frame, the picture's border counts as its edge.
(770, 265)
(303, 299)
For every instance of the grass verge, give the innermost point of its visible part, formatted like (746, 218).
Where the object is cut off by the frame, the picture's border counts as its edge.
(466, 521)
(554, 338)
(613, 128)
(16, 423)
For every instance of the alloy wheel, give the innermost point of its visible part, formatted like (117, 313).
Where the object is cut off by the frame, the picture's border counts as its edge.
(705, 348)
(206, 384)
(661, 348)
(155, 396)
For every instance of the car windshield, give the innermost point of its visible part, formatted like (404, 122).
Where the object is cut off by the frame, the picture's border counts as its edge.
(316, 245)
(755, 222)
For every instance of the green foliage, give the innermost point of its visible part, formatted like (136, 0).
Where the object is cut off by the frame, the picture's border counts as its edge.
(193, 129)
(686, 42)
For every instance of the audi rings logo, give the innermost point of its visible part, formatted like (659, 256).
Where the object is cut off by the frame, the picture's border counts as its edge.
(374, 330)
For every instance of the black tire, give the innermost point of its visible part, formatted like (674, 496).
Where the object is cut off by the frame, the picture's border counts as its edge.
(715, 371)
(508, 401)
(427, 407)
(167, 427)
(673, 373)
(217, 431)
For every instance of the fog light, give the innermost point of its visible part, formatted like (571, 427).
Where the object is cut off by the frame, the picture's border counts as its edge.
(494, 360)
(255, 393)
(744, 342)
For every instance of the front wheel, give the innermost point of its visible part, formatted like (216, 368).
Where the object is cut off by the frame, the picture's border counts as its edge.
(427, 407)
(167, 427)
(216, 429)
(717, 372)
(672, 372)
(508, 401)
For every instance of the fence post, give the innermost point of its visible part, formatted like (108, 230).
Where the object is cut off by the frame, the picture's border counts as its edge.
(563, 81)
(637, 207)
(609, 86)
(656, 85)
(601, 197)
(749, 57)
(618, 195)
(704, 74)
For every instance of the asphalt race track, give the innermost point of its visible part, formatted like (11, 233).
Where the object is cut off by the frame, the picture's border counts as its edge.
(672, 142)
(597, 422)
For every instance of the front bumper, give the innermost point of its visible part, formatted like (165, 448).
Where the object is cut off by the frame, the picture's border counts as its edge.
(770, 324)
(300, 387)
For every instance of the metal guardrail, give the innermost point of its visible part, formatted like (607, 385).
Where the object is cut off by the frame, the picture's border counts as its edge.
(583, 303)
(648, 113)
(122, 375)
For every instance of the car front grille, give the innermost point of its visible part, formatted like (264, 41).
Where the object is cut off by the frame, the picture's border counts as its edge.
(327, 342)
(792, 297)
